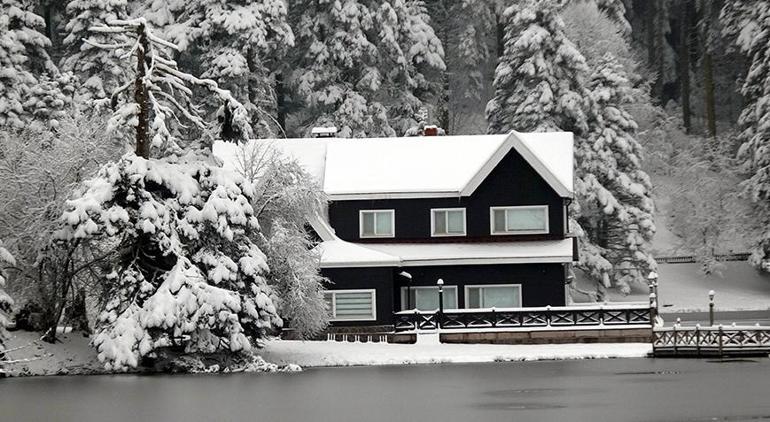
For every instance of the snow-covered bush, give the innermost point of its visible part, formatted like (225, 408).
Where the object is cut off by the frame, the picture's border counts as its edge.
(182, 271)
(40, 171)
(286, 197)
(5, 300)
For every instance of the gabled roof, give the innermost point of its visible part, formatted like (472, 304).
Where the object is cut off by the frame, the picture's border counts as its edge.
(417, 167)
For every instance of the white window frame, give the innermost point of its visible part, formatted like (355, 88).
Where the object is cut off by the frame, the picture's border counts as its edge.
(471, 286)
(361, 224)
(405, 289)
(333, 310)
(520, 207)
(433, 212)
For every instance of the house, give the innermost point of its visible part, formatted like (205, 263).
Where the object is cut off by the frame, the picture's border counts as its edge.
(486, 214)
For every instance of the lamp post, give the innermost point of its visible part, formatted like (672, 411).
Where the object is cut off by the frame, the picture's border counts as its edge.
(652, 279)
(440, 283)
(408, 278)
(652, 282)
(711, 307)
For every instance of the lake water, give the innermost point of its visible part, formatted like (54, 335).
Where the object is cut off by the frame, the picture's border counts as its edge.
(586, 390)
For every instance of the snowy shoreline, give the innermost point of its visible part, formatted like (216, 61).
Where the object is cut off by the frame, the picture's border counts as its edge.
(73, 356)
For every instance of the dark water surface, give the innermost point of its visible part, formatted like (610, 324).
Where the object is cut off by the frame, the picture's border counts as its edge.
(587, 390)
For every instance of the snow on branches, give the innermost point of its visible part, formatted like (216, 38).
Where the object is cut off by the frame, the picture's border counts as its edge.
(748, 23)
(31, 89)
(351, 53)
(5, 301)
(184, 272)
(162, 94)
(539, 77)
(100, 70)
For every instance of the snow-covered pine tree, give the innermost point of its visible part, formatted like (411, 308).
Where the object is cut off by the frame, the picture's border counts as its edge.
(237, 43)
(748, 24)
(31, 88)
(171, 235)
(613, 191)
(100, 71)
(159, 95)
(539, 78)
(361, 64)
(182, 270)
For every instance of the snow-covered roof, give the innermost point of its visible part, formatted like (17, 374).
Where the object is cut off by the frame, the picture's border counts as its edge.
(445, 166)
(338, 253)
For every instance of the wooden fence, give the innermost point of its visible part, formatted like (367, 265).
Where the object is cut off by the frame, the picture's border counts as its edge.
(711, 341)
(536, 318)
(744, 256)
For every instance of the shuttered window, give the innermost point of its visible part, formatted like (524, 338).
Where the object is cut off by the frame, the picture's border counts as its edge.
(354, 305)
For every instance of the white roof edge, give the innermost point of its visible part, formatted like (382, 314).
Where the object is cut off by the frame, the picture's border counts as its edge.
(540, 166)
(322, 227)
(513, 141)
(393, 195)
(488, 261)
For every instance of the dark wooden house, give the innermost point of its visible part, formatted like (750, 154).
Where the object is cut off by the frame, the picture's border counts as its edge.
(488, 215)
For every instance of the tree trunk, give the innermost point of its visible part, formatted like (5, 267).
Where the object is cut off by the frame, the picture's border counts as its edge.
(141, 98)
(500, 35)
(659, 45)
(280, 101)
(684, 63)
(708, 71)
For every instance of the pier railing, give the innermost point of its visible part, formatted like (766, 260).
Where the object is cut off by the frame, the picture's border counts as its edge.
(711, 341)
(593, 315)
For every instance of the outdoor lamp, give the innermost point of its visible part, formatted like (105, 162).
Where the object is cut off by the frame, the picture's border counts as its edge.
(711, 307)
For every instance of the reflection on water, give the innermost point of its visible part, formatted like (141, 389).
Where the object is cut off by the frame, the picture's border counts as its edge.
(612, 390)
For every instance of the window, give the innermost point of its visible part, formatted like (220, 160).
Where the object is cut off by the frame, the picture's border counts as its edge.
(447, 222)
(425, 298)
(355, 305)
(519, 220)
(377, 223)
(493, 295)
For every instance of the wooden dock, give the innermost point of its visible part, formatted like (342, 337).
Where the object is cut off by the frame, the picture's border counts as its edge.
(711, 341)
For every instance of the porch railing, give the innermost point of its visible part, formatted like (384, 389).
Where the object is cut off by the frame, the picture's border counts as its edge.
(710, 341)
(637, 314)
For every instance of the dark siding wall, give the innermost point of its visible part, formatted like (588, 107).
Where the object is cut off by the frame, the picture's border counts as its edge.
(541, 284)
(380, 279)
(512, 182)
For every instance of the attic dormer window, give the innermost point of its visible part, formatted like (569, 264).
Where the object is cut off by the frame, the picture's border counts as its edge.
(519, 220)
(377, 223)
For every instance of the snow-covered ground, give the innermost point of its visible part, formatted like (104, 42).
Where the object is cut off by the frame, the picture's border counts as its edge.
(330, 353)
(682, 288)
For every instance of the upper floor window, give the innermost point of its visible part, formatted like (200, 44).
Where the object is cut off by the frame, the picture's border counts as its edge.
(377, 223)
(519, 220)
(447, 222)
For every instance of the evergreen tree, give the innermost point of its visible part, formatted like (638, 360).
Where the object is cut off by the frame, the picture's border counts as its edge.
(237, 43)
(538, 80)
(613, 191)
(29, 81)
(181, 268)
(464, 28)
(362, 65)
(100, 70)
(748, 24)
